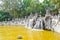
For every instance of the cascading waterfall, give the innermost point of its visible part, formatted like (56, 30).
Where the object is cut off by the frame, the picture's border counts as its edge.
(37, 22)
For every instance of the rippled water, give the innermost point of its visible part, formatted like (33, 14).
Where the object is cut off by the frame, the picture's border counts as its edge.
(12, 33)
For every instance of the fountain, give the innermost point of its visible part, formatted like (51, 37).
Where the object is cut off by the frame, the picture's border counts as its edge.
(57, 27)
(39, 23)
(59, 15)
(31, 19)
(29, 22)
(48, 21)
(34, 22)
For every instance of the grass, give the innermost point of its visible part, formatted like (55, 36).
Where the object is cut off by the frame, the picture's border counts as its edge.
(12, 33)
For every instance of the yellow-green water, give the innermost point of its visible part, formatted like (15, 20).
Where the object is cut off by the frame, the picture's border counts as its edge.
(12, 33)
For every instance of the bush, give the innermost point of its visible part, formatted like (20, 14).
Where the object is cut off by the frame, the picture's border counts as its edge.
(5, 16)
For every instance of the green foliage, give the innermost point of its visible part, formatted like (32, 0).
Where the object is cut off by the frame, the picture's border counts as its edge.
(19, 8)
(4, 16)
